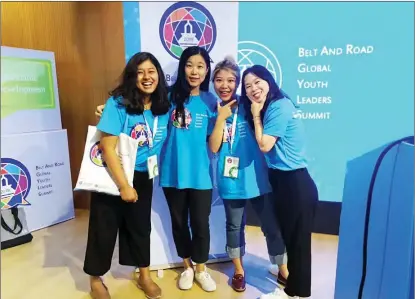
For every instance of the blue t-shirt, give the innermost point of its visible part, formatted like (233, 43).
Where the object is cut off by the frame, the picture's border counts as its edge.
(252, 180)
(112, 122)
(185, 162)
(280, 121)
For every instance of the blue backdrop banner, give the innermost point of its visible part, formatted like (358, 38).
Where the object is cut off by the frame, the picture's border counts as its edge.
(350, 68)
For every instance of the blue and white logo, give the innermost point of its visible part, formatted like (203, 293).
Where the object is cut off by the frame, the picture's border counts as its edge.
(15, 183)
(251, 53)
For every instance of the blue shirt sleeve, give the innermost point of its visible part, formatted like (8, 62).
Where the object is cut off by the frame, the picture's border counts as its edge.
(113, 118)
(277, 116)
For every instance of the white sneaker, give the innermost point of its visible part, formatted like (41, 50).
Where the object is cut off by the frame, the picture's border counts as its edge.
(206, 281)
(186, 279)
(273, 269)
(277, 294)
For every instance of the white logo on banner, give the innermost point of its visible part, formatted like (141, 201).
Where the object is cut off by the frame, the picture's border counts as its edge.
(250, 53)
(297, 113)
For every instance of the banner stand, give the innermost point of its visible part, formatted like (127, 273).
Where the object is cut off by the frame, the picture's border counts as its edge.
(36, 187)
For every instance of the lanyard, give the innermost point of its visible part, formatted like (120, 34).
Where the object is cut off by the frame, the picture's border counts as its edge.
(151, 134)
(233, 129)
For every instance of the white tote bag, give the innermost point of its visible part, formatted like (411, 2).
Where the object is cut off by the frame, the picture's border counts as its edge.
(94, 174)
(14, 229)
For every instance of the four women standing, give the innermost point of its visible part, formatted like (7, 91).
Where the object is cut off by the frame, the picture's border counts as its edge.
(233, 127)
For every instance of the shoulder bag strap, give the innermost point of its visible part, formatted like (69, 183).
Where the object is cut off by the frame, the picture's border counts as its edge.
(17, 223)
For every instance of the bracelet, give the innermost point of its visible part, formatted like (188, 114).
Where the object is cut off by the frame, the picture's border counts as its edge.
(256, 117)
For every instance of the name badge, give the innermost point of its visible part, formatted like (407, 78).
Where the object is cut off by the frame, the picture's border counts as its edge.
(231, 167)
(152, 166)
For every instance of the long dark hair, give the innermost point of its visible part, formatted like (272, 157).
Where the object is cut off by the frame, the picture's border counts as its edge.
(132, 96)
(180, 91)
(274, 93)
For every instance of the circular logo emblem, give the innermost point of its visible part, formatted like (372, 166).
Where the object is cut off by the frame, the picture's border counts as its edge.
(250, 53)
(95, 154)
(139, 132)
(15, 183)
(178, 121)
(186, 24)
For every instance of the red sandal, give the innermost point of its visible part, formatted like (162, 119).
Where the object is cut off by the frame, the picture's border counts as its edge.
(238, 283)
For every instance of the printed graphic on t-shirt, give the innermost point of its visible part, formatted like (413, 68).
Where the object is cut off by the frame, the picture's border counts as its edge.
(200, 120)
(178, 121)
(227, 137)
(242, 129)
(160, 133)
(139, 132)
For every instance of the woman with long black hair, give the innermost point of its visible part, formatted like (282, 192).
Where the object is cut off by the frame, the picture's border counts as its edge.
(185, 165)
(138, 107)
(280, 135)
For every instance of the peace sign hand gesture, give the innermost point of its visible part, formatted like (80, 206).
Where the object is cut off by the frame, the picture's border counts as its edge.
(225, 111)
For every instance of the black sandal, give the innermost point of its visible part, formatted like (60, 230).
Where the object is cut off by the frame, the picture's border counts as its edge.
(281, 279)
